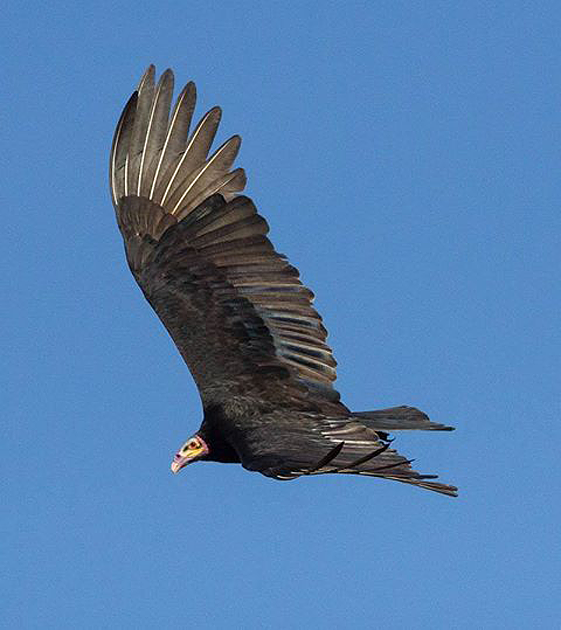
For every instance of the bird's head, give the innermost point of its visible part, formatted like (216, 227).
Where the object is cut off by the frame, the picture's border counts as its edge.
(194, 449)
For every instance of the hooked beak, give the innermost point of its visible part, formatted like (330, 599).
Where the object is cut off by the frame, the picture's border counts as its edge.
(190, 452)
(179, 462)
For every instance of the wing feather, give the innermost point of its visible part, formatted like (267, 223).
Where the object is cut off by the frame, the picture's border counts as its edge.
(234, 307)
(155, 133)
(192, 158)
(139, 130)
(177, 133)
(332, 445)
(120, 148)
(200, 178)
(154, 157)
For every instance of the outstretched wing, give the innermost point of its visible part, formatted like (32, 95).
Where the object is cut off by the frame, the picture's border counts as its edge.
(319, 445)
(235, 308)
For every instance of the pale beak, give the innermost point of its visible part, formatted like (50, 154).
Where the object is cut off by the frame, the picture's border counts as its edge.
(179, 462)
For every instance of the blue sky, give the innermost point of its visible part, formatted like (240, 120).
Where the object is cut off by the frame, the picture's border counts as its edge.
(406, 155)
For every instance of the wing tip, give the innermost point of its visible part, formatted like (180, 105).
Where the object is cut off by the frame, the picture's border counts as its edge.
(154, 179)
(147, 77)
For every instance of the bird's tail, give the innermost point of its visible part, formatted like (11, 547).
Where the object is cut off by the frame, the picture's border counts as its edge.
(398, 419)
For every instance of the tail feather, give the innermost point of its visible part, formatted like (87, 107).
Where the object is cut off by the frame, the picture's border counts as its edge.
(442, 488)
(398, 419)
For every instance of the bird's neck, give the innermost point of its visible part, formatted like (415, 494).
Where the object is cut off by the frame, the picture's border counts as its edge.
(213, 433)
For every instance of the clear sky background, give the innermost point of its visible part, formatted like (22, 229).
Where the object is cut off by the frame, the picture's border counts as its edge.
(406, 155)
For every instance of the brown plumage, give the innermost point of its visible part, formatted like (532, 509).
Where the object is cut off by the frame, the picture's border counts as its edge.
(235, 308)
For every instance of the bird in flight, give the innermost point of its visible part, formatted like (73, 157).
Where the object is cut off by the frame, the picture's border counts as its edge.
(235, 308)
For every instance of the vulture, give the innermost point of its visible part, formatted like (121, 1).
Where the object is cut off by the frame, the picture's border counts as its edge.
(235, 308)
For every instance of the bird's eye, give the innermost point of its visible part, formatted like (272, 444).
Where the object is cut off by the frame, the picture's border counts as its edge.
(193, 444)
